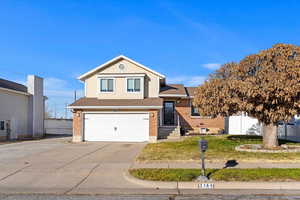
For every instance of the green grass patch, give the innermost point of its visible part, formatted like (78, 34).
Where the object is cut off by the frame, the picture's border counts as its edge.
(220, 148)
(260, 174)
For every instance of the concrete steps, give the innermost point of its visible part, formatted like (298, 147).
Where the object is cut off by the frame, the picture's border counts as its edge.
(169, 132)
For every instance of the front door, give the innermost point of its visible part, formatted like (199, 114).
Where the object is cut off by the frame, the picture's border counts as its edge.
(169, 111)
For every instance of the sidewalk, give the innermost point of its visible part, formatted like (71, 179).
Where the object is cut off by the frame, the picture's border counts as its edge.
(219, 165)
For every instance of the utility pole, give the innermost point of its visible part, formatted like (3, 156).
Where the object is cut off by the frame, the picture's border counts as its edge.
(55, 111)
(75, 96)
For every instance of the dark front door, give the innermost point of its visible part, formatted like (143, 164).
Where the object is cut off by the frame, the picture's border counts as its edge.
(169, 113)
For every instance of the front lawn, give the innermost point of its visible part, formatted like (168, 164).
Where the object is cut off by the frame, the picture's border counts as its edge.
(260, 174)
(220, 148)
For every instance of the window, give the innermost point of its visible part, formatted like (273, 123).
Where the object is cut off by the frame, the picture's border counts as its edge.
(195, 111)
(2, 125)
(133, 85)
(106, 85)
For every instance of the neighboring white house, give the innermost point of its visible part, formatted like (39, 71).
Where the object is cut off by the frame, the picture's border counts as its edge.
(21, 109)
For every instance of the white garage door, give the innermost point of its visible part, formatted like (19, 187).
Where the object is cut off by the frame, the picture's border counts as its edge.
(122, 127)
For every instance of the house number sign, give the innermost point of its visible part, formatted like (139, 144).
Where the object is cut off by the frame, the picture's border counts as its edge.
(206, 186)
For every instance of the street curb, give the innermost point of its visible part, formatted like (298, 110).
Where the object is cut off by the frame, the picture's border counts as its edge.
(216, 184)
(150, 184)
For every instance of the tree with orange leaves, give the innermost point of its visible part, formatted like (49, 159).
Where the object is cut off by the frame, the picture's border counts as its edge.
(265, 85)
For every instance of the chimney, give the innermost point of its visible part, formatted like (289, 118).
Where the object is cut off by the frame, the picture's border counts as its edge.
(35, 87)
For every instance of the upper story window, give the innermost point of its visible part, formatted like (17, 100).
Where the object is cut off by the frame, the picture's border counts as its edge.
(106, 85)
(133, 85)
(195, 111)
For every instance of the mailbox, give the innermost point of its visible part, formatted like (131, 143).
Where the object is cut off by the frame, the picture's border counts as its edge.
(203, 145)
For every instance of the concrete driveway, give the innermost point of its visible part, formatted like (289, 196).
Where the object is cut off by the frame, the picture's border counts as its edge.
(57, 166)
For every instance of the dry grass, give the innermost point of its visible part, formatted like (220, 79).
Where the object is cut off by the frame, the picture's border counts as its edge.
(220, 148)
(260, 174)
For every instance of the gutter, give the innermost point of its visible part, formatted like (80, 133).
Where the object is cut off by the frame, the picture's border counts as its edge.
(173, 95)
(114, 107)
(14, 91)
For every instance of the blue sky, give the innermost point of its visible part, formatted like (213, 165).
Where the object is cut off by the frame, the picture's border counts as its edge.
(184, 40)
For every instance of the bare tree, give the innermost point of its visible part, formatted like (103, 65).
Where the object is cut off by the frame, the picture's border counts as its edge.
(48, 112)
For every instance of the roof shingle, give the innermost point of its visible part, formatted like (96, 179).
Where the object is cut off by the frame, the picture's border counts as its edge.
(173, 89)
(117, 102)
(191, 91)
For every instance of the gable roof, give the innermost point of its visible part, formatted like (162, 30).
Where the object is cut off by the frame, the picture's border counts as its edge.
(173, 90)
(177, 90)
(12, 85)
(191, 91)
(83, 76)
(86, 102)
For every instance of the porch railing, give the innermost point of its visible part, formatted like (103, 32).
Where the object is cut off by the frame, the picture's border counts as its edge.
(177, 119)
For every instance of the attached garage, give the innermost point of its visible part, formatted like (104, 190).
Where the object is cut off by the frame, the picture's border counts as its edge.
(116, 127)
(116, 120)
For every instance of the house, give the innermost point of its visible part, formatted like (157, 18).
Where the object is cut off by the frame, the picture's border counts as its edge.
(127, 101)
(21, 109)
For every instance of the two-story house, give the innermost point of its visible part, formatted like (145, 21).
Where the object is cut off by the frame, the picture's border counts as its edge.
(22, 109)
(127, 101)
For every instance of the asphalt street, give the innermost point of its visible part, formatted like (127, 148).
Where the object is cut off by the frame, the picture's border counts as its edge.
(64, 170)
(148, 197)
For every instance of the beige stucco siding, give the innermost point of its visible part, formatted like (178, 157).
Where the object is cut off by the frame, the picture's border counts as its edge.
(14, 107)
(151, 82)
(91, 86)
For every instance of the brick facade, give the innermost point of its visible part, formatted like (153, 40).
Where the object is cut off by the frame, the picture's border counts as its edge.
(77, 126)
(153, 126)
(183, 108)
(193, 123)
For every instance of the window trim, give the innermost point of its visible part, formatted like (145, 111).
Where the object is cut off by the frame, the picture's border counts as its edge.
(141, 84)
(194, 114)
(191, 110)
(99, 85)
(197, 116)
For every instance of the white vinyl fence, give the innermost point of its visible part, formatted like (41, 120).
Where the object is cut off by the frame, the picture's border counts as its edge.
(59, 126)
(290, 131)
(244, 125)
